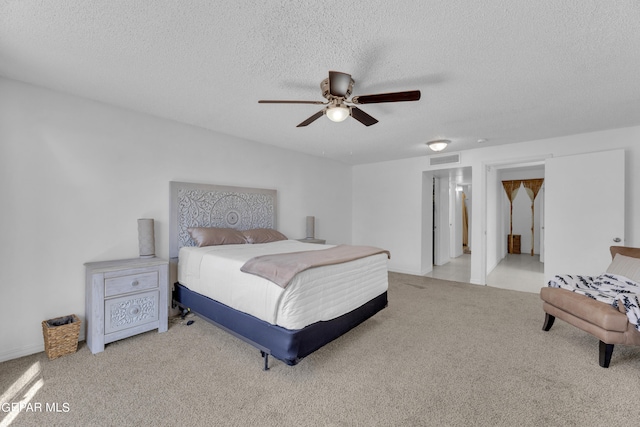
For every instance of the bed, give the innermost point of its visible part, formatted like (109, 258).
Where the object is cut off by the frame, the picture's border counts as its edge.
(287, 319)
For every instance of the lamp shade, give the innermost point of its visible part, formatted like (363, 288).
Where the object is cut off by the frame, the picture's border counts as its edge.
(311, 227)
(146, 238)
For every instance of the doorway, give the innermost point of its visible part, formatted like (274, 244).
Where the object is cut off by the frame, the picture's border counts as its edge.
(447, 186)
(521, 267)
(448, 258)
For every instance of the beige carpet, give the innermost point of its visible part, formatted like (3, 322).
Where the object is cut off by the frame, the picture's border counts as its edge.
(442, 354)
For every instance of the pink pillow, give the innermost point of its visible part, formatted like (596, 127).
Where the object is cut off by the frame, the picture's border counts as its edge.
(263, 235)
(211, 236)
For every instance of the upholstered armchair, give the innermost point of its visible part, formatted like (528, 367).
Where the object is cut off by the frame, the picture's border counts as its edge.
(610, 325)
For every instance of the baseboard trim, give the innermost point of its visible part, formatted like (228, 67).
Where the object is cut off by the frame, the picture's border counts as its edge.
(27, 350)
(21, 352)
(406, 271)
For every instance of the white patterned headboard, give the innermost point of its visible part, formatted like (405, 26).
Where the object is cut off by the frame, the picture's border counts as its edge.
(206, 205)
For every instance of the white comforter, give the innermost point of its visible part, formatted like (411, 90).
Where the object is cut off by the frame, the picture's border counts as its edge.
(322, 293)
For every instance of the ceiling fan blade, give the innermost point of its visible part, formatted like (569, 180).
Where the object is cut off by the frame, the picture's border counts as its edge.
(339, 83)
(311, 119)
(412, 95)
(269, 101)
(362, 117)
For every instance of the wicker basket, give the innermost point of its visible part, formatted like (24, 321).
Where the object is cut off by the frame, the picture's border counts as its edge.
(61, 335)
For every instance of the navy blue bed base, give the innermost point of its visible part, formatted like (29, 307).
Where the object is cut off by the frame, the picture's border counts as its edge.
(289, 346)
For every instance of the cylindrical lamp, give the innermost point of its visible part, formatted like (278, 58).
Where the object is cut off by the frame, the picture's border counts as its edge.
(311, 227)
(146, 238)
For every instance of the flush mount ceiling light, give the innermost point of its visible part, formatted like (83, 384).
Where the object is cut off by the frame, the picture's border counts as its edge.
(337, 112)
(438, 144)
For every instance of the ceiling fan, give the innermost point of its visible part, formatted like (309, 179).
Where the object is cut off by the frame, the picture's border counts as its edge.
(337, 89)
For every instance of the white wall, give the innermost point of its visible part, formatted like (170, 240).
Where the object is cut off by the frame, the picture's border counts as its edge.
(75, 175)
(491, 247)
(381, 211)
(395, 186)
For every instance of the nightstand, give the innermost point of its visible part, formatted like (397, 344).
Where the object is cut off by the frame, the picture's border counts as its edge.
(124, 298)
(310, 240)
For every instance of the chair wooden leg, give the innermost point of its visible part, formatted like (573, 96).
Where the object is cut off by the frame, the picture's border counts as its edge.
(548, 321)
(606, 350)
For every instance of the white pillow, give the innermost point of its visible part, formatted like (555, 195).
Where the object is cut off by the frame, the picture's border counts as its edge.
(625, 266)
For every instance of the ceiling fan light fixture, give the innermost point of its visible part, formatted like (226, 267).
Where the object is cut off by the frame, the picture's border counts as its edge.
(337, 113)
(438, 144)
(336, 89)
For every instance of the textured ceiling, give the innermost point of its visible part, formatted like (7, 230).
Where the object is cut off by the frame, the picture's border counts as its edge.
(501, 70)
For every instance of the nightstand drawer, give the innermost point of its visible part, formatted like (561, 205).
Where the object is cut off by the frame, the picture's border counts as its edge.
(130, 283)
(129, 311)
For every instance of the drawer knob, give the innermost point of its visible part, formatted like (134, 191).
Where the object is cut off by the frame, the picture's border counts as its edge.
(134, 283)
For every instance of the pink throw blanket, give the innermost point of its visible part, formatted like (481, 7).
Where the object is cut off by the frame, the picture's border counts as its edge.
(281, 268)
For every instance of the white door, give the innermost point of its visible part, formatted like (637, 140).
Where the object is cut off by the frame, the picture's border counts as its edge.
(584, 212)
(443, 224)
(441, 227)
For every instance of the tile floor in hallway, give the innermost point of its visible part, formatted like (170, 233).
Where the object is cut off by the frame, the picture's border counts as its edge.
(521, 272)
